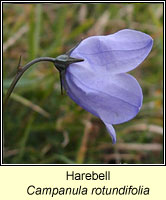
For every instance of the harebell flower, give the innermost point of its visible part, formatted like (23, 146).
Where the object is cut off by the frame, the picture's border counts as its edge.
(100, 84)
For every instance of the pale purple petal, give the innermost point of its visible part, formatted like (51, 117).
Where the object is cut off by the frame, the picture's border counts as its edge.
(111, 131)
(115, 99)
(116, 53)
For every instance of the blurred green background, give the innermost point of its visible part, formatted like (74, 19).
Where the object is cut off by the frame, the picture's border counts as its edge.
(43, 127)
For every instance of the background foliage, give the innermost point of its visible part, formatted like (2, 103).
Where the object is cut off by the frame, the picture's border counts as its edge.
(40, 125)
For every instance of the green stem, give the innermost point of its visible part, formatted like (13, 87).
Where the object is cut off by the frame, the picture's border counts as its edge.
(20, 72)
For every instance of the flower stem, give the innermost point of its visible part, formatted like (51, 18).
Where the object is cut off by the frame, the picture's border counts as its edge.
(20, 72)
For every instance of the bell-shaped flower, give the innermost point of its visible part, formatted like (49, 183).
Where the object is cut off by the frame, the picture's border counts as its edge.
(100, 83)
